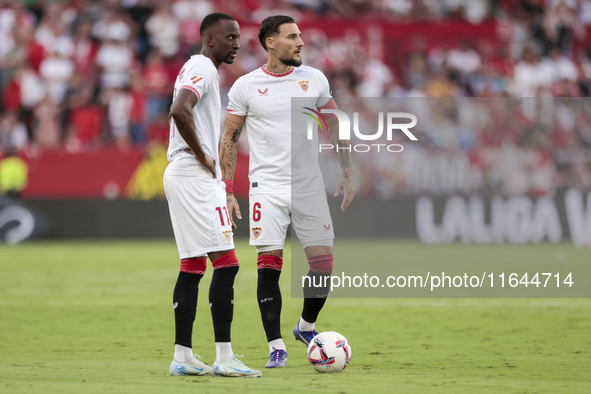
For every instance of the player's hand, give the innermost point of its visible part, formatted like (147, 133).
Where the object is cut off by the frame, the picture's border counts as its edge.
(209, 164)
(233, 206)
(346, 185)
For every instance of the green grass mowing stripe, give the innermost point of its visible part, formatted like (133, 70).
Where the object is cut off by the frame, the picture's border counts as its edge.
(96, 317)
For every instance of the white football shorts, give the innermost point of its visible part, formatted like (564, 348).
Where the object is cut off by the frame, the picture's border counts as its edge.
(271, 213)
(199, 215)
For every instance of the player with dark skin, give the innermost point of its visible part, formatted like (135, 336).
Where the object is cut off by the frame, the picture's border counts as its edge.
(192, 195)
(221, 45)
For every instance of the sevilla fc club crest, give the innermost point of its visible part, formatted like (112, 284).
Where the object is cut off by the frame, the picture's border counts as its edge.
(227, 236)
(256, 232)
(305, 85)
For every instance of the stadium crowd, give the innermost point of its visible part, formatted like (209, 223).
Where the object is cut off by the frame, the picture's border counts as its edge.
(83, 74)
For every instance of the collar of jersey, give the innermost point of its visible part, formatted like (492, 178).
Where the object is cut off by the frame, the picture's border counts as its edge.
(277, 75)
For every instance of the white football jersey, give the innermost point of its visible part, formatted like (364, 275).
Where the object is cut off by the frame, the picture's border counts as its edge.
(200, 76)
(264, 99)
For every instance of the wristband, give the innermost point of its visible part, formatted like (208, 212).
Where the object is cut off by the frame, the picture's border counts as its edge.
(229, 186)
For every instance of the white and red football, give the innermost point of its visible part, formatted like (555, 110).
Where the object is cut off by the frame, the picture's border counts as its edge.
(329, 351)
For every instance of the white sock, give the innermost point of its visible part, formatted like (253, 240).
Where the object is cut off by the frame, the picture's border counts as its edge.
(182, 353)
(223, 351)
(305, 326)
(277, 344)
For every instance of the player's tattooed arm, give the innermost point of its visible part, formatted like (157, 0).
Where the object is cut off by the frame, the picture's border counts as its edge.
(181, 113)
(233, 125)
(343, 151)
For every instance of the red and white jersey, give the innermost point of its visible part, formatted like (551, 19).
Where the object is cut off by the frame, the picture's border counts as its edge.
(264, 99)
(200, 76)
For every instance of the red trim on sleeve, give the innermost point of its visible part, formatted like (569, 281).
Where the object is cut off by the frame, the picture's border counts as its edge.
(330, 105)
(192, 89)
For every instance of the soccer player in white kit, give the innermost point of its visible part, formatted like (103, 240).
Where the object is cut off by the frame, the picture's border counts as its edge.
(197, 203)
(261, 101)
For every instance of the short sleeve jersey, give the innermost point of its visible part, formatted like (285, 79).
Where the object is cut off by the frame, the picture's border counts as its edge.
(264, 99)
(200, 76)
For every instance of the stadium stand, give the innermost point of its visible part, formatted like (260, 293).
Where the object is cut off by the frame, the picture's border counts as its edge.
(81, 75)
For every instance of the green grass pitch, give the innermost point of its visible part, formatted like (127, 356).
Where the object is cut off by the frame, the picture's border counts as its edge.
(97, 317)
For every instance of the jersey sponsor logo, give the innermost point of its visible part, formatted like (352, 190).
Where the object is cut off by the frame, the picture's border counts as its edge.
(263, 92)
(256, 232)
(326, 228)
(227, 236)
(196, 79)
(305, 85)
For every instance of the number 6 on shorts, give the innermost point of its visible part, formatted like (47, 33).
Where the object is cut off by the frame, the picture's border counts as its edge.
(256, 213)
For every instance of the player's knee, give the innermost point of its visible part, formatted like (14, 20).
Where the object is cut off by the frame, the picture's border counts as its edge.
(269, 261)
(321, 264)
(228, 260)
(196, 265)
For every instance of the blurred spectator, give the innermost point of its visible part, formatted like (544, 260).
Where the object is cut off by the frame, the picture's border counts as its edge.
(163, 29)
(85, 49)
(559, 67)
(119, 104)
(157, 85)
(115, 58)
(417, 72)
(14, 58)
(52, 30)
(440, 86)
(376, 77)
(56, 70)
(112, 26)
(465, 60)
(47, 132)
(83, 74)
(30, 86)
(190, 13)
(138, 110)
(85, 121)
(561, 24)
(530, 79)
(139, 11)
(13, 133)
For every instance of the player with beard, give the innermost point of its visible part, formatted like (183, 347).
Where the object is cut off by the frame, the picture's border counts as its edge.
(261, 101)
(197, 203)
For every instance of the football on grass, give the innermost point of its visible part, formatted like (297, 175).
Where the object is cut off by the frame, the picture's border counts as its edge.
(329, 351)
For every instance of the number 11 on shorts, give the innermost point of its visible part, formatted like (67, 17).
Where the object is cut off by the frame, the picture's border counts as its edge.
(219, 209)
